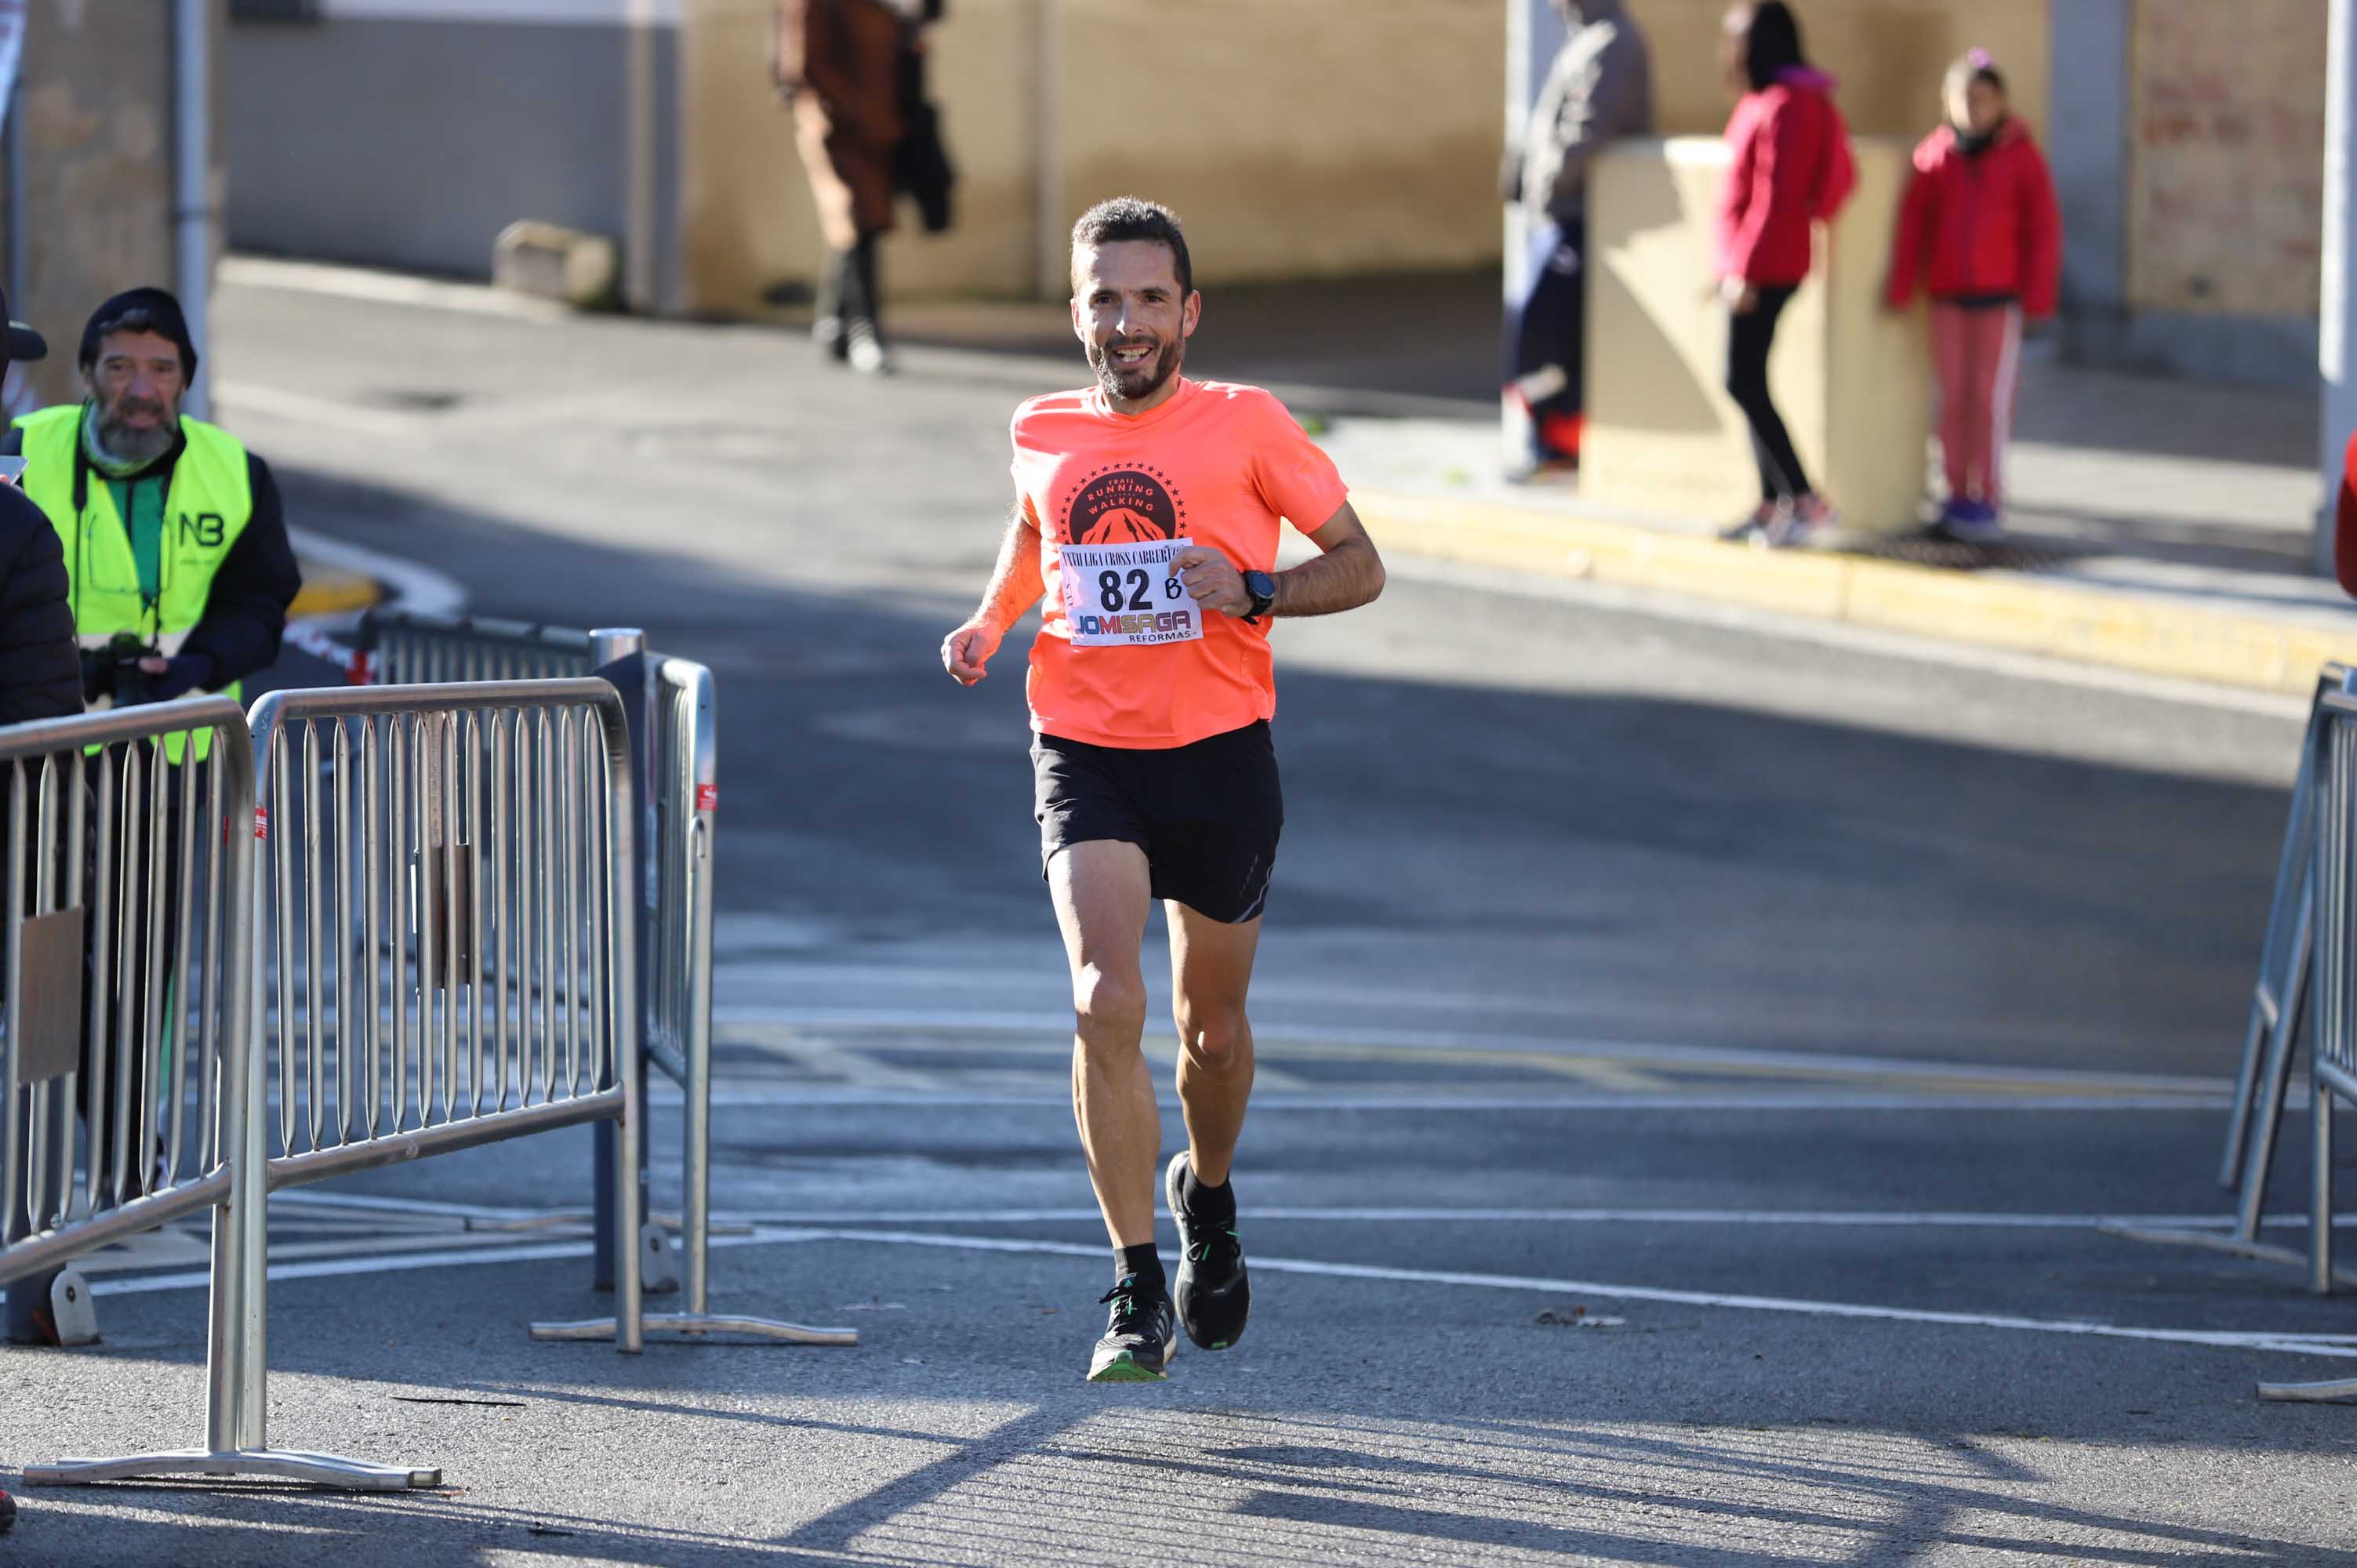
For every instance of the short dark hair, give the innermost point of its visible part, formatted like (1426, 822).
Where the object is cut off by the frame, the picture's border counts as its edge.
(1132, 218)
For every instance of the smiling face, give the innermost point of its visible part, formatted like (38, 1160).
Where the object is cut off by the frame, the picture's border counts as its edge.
(1133, 319)
(138, 381)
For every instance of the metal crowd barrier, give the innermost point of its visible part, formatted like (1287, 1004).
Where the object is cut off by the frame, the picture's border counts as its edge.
(682, 738)
(2333, 1039)
(128, 984)
(2279, 997)
(678, 751)
(2279, 1005)
(446, 903)
(405, 648)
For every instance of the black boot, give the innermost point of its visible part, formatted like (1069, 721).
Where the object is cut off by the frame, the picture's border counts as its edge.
(863, 337)
(835, 282)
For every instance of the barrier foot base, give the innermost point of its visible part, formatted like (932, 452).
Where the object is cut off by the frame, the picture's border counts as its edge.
(2312, 1393)
(2215, 1242)
(271, 1464)
(695, 1325)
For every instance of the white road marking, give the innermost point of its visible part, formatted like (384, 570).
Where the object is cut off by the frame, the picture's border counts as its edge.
(1959, 1218)
(1438, 1101)
(1835, 1219)
(2286, 1342)
(1694, 1057)
(400, 1263)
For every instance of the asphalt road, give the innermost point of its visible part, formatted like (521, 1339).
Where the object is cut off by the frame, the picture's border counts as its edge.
(1786, 1008)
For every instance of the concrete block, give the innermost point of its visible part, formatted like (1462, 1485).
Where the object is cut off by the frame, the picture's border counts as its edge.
(1853, 384)
(551, 262)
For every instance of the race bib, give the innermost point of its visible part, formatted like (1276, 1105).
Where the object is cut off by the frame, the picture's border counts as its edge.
(1126, 595)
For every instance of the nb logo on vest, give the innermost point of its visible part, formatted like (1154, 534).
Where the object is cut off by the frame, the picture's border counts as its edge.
(206, 527)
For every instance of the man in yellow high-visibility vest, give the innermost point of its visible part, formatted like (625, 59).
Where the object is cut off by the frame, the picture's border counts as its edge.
(174, 539)
(179, 578)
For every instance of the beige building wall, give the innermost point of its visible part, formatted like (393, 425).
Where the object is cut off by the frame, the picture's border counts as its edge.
(2225, 156)
(96, 82)
(747, 220)
(1853, 384)
(1891, 56)
(1296, 137)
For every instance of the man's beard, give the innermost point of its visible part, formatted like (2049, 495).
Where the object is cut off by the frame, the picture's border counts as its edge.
(1138, 382)
(125, 443)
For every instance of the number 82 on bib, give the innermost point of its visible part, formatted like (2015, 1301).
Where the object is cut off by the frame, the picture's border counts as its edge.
(1127, 596)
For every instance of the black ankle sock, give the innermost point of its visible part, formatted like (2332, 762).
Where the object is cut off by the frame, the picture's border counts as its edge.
(1141, 1262)
(1207, 1205)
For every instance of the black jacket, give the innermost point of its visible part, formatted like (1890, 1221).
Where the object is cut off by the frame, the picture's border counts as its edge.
(245, 610)
(40, 672)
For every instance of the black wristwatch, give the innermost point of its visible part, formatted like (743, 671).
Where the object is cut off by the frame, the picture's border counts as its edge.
(1263, 589)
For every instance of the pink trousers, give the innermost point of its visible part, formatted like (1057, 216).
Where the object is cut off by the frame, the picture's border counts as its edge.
(1978, 355)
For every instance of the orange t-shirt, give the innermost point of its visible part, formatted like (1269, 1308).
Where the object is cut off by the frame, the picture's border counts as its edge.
(1218, 464)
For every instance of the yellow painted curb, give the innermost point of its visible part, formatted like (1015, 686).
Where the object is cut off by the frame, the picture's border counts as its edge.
(2125, 631)
(327, 591)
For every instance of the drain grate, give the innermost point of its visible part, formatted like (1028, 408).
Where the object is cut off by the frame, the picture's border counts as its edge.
(1955, 555)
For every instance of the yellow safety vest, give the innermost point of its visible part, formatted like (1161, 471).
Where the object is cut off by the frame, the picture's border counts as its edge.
(208, 506)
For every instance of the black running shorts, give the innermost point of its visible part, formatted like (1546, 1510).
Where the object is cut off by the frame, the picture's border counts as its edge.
(1207, 815)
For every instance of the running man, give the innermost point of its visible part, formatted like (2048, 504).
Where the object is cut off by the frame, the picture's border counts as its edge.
(1147, 511)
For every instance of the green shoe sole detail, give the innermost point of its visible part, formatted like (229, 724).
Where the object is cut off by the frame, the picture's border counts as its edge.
(1126, 1369)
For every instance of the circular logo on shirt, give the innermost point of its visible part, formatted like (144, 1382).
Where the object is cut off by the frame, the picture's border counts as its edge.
(1123, 506)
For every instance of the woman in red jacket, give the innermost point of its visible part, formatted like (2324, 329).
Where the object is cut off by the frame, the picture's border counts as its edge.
(1792, 171)
(1981, 227)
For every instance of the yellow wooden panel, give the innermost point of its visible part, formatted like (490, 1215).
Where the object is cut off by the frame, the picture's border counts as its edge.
(1852, 384)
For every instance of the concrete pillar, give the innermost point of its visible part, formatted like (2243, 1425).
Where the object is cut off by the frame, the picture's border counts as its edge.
(1535, 34)
(95, 205)
(2337, 339)
(2087, 144)
(1051, 272)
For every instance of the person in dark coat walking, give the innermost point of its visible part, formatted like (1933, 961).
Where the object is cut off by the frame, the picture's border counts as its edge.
(840, 65)
(40, 678)
(40, 669)
(1600, 89)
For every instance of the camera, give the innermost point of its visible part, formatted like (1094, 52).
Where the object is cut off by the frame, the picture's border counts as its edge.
(113, 671)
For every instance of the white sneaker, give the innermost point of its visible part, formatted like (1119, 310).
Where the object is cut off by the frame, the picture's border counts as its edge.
(868, 354)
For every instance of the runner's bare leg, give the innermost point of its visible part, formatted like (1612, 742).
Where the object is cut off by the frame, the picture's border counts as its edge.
(1104, 894)
(1210, 969)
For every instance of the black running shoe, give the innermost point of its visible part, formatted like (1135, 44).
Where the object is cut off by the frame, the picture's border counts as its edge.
(1214, 1294)
(1139, 1339)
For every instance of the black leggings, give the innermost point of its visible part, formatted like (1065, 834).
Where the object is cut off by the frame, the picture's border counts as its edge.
(1749, 338)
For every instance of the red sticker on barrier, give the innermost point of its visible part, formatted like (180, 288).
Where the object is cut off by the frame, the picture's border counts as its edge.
(707, 797)
(261, 822)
